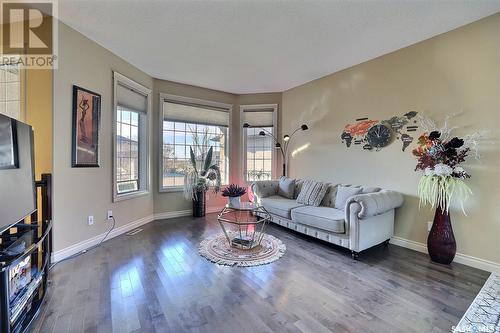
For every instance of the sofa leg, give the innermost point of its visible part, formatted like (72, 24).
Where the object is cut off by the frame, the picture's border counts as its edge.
(386, 243)
(355, 255)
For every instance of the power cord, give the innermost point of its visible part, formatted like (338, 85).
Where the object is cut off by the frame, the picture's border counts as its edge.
(90, 248)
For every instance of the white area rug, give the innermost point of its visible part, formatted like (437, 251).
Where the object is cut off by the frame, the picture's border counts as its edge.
(217, 250)
(483, 314)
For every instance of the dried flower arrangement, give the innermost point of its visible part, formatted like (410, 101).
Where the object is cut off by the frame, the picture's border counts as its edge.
(439, 156)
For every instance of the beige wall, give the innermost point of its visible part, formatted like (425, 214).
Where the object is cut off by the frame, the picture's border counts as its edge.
(459, 70)
(38, 102)
(79, 192)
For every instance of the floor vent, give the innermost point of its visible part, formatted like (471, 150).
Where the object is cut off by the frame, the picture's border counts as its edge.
(134, 232)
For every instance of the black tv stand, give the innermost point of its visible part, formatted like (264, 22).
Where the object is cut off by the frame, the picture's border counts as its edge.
(25, 258)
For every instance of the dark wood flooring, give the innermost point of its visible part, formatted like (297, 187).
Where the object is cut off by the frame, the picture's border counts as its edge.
(155, 281)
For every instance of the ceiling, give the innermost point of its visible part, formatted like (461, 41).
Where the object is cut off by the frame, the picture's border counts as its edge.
(244, 46)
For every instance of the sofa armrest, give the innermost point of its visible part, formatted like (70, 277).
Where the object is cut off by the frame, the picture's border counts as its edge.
(264, 188)
(377, 203)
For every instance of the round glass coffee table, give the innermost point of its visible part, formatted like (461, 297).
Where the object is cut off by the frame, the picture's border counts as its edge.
(244, 224)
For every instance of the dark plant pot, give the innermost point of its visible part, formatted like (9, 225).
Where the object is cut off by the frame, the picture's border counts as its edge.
(199, 204)
(441, 241)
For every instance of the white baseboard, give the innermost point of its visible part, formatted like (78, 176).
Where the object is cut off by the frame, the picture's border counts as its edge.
(180, 213)
(86, 244)
(171, 215)
(460, 258)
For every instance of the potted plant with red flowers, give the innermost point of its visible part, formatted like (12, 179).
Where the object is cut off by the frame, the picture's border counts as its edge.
(234, 193)
(439, 156)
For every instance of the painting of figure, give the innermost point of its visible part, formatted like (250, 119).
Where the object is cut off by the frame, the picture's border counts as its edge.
(86, 114)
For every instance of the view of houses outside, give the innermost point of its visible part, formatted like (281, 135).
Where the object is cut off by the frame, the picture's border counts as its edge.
(259, 154)
(178, 137)
(127, 151)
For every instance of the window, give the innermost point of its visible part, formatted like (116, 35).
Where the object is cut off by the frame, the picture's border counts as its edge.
(198, 124)
(10, 91)
(259, 146)
(127, 150)
(131, 138)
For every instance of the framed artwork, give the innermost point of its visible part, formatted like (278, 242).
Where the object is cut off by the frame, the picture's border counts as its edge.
(9, 158)
(86, 117)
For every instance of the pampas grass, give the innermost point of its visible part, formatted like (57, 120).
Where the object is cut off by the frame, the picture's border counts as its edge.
(438, 191)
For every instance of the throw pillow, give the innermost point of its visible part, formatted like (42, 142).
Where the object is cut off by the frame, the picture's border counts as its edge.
(286, 187)
(264, 189)
(312, 193)
(298, 187)
(343, 194)
(331, 194)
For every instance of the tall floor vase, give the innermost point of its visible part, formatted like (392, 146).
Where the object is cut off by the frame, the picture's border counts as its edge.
(441, 241)
(199, 204)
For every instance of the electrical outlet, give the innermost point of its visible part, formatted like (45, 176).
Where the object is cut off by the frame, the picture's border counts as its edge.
(429, 226)
(90, 220)
(110, 214)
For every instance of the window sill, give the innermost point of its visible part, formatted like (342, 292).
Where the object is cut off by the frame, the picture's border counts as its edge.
(181, 189)
(132, 195)
(171, 189)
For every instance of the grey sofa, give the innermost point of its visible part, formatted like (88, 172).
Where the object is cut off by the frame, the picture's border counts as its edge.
(366, 220)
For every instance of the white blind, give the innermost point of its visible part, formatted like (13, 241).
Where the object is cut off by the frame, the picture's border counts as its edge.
(259, 117)
(197, 114)
(131, 99)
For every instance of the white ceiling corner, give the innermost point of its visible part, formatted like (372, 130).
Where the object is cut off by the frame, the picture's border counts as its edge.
(261, 46)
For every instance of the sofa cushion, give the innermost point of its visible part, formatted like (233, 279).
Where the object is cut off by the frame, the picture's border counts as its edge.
(312, 193)
(325, 218)
(298, 187)
(286, 187)
(279, 206)
(343, 194)
(265, 188)
(329, 198)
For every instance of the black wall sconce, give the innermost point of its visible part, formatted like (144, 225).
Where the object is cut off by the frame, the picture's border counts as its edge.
(286, 139)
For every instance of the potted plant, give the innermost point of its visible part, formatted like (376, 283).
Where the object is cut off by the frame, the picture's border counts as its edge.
(198, 182)
(439, 156)
(234, 193)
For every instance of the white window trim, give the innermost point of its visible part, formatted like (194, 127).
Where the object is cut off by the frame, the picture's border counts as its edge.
(125, 81)
(275, 156)
(22, 93)
(175, 98)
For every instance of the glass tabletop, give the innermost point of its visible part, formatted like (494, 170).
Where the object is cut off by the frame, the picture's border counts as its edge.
(244, 206)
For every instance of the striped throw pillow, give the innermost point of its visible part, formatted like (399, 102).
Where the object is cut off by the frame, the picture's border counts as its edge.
(312, 193)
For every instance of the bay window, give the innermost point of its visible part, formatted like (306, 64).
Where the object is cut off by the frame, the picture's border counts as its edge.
(191, 123)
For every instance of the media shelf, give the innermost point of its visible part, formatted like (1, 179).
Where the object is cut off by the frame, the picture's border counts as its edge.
(25, 257)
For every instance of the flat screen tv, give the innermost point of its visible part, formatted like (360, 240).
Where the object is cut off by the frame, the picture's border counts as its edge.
(17, 178)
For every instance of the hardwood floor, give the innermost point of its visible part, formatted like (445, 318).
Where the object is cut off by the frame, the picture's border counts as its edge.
(155, 281)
